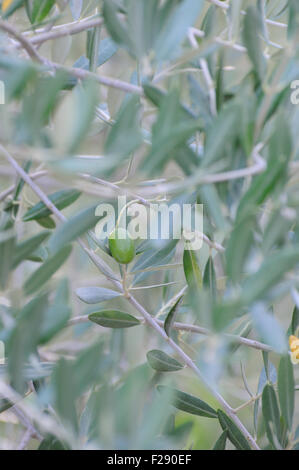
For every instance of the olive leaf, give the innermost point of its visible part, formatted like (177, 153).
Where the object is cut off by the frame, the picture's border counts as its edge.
(113, 319)
(192, 270)
(161, 362)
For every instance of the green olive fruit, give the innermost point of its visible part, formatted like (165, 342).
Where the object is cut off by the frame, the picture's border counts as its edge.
(121, 246)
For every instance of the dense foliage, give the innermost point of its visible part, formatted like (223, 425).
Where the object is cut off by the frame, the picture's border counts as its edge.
(145, 344)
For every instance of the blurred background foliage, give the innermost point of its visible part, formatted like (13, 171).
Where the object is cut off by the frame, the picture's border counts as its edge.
(160, 100)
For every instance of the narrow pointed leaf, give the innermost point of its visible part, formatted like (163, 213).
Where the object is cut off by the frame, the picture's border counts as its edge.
(251, 35)
(24, 249)
(193, 405)
(170, 319)
(161, 362)
(271, 414)
(73, 228)
(221, 442)
(46, 270)
(192, 270)
(286, 387)
(60, 199)
(209, 278)
(94, 295)
(113, 319)
(233, 433)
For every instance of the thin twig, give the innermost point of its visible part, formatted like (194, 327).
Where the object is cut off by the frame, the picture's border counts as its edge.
(225, 6)
(76, 72)
(66, 30)
(25, 440)
(29, 48)
(211, 88)
(220, 4)
(106, 81)
(28, 412)
(26, 422)
(115, 187)
(205, 70)
(200, 178)
(251, 343)
(11, 189)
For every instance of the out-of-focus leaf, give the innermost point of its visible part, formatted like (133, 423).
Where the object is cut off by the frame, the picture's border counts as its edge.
(24, 249)
(222, 131)
(94, 295)
(89, 367)
(5, 405)
(52, 443)
(269, 329)
(234, 16)
(10, 6)
(38, 256)
(251, 35)
(156, 96)
(36, 371)
(85, 100)
(200, 100)
(209, 278)
(7, 247)
(13, 204)
(192, 270)
(286, 386)
(46, 270)
(168, 133)
(92, 47)
(41, 9)
(125, 135)
(212, 203)
(24, 340)
(239, 246)
(46, 222)
(271, 271)
(264, 184)
(118, 31)
(263, 380)
(233, 433)
(175, 28)
(60, 49)
(107, 49)
(161, 362)
(221, 442)
(57, 315)
(271, 415)
(65, 393)
(276, 230)
(143, 23)
(76, 8)
(292, 330)
(193, 405)
(73, 228)
(113, 319)
(171, 316)
(38, 106)
(16, 74)
(293, 18)
(154, 257)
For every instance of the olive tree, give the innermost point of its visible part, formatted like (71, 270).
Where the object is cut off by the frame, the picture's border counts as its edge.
(111, 341)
